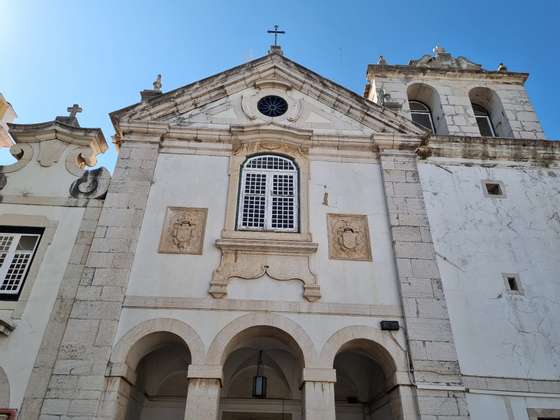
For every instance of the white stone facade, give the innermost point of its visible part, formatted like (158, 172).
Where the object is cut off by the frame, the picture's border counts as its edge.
(141, 331)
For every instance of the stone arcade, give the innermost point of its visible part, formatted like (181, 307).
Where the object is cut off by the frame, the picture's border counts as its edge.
(272, 246)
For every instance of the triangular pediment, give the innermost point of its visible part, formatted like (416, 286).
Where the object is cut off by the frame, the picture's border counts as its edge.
(230, 99)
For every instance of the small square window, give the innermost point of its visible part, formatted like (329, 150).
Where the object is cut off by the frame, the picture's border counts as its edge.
(493, 188)
(512, 283)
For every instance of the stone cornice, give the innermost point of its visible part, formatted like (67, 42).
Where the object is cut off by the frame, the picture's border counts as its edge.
(209, 139)
(55, 130)
(388, 141)
(267, 69)
(381, 70)
(264, 246)
(490, 149)
(320, 308)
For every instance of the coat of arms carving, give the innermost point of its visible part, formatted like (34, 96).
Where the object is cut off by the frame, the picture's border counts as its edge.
(348, 237)
(183, 231)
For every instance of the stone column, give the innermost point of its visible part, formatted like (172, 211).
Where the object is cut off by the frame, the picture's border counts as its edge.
(319, 394)
(439, 387)
(203, 399)
(203, 395)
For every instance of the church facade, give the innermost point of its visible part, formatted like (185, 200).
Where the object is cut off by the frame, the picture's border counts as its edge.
(273, 246)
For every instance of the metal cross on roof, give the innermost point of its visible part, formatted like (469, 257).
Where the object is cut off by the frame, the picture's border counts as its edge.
(276, 32)
(73, 110)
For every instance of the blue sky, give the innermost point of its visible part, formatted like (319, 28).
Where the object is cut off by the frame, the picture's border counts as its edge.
(101, 53)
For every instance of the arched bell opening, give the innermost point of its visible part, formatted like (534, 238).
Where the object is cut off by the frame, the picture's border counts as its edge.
(365, 387)
(160, 363)
(426, 109)
(262, 376)
(489, 113)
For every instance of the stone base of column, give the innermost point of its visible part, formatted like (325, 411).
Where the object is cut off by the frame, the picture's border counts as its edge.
(440, 404)
(203, 399)
(319, 401)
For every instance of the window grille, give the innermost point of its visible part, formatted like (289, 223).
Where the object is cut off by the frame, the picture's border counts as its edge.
(421, 115)
(268, 194)
(16, 254)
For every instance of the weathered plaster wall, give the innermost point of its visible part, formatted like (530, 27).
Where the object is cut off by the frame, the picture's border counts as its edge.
(19, 350)
(477, 238)
(483, 407)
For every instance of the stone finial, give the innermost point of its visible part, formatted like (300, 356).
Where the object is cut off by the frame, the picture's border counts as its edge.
(275, 49)
(157, 83)
(439, 50)
(502, 68)
(381, 61)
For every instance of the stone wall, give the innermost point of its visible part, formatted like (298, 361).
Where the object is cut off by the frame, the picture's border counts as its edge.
(456, 106)
(93, 297)
(433, 357)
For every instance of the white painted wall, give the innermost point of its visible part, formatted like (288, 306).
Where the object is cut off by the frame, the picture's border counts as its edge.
(201, 181)
(478, 238)
(354, 188)
(35, 180)
(184, 181)
(498, 407)
(19, 350)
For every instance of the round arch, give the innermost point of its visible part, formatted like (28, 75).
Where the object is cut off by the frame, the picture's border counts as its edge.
(225, 340)
(126, 349)
(429, 96)
(386, 351)
(4, 389)
(491, 102)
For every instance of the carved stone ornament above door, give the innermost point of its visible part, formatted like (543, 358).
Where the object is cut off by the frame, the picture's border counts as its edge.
(183, 231)
(348, 237)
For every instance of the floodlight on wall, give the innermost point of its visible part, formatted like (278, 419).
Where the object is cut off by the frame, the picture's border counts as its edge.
(390, 325)
(259, 381)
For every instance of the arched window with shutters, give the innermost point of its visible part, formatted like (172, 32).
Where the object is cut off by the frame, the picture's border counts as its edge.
(268, 194)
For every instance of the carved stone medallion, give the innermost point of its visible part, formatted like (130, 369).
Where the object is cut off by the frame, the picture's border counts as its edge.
(183, 231)
(348, 237)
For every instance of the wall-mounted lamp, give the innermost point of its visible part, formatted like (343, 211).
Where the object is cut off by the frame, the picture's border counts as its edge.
(259, 381)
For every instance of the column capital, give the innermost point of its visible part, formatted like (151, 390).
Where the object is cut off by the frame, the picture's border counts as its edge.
(205, 372)
(319, 375)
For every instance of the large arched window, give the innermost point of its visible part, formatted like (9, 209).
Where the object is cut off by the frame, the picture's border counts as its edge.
(421, 115)
(268, 195)
(483, 120)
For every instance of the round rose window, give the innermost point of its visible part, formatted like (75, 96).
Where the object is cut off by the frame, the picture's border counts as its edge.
(272, 106)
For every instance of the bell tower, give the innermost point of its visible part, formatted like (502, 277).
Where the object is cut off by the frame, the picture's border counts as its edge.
(455, 96)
